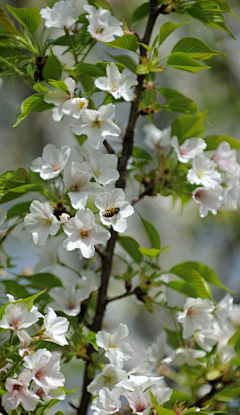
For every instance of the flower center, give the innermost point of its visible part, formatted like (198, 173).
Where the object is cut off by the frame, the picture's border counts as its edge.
(75, 187)
(84, 234)
(55, 167)
(96, 123)
(114, 86)
(97, 173)
(46, 222)
(17, 387)
(15, 323)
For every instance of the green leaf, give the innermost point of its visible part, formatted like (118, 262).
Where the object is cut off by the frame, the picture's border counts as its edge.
(213, 141)
(140, 13)
(91, 338)
(100, 3)
(41, 88)
(166, 30)
(7, 22)
(125, 60)
(89, 69)
(129, 42)
(172, 337)
(62, 41)
(183, 61)
(150, 253)
(204, 270)
(42, 280)
(34, 103)
(87, 81)
(195, 48)
(28, 17)
(152, 233)
(184, 288)
(83, 37)
(131, 247)
(15, 289)
(82, 18)
(52, 68)
(18, 210)
(178, 102)
(139, 152)
(193, 277)
(228, 395)
(188, 126)
(9, 180)
(210, 16)
(58, 84)
(169, 93)
(12, 194)
(159, 409)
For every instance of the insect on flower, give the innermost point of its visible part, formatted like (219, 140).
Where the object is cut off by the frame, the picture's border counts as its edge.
(109, 213)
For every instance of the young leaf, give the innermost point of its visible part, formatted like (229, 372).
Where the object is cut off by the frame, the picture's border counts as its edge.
(7, 22)
(213, 141)
(83, 37)
(195, 48)
(140, 12)
(182, 104)
(131, 247)
(42, 280)
(139, 152)
(18, 210)
(204, 270)
(210, 16)
(129, 42)
(188, 126)
(183, 61)
(166, 30)
(29, 17)
(52, 68)
(152, 233)
(89, 69)
(184, 288)
(150, 253)
(14, 288)
(58, 84)
(125, 60)
(41, 88)
(34, 103)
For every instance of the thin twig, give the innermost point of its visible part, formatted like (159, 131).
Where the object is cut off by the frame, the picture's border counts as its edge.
(126, 294)
(109, 148)
(144, 193)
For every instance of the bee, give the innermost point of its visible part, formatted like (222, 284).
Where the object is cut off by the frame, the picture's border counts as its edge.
(109, 213)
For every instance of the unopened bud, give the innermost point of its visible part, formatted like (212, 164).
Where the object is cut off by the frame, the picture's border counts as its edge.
(64, 217)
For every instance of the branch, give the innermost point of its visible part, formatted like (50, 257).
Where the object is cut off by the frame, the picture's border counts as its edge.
(217, 386)
(126, 294)
(121, 183)
(109, 148)
(144, 193)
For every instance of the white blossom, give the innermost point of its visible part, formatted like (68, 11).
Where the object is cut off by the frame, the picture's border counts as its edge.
(52, 161)
(224, 307)
(45, 368)
(196, 315)
(108, 402)
(139, 402)
(234, 314)
(58, 394)
(60, 16)
(78, 181)
(68, 299)
(25, 340)
(102, 25)
(59, 98)
(75, 107)
(55, 328)
(97, 124)
(102, 167)
(231, 189)
(141, 382)
(204, 172)
(109, 377)
(83, 233)
(118, 85)
(226, 158)
(17, 317)
(114, 209)
(188, 149)
(117, 348)
(208, 199)
(156, 138)
(206, 339)
(41, 222)
(18, 392)
(183, 356)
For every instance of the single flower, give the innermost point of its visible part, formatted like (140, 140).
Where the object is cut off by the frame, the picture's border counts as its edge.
(60, 98)
(83, 233)
(156, 138)
(204, 172)
(197, 314)
(102, 167)
(41, 222)
(97, 124)
(118, 85)
(55, 328)
(18, 392)
(114, 209)
(188, 149)
(102, 25)
(52, 161)
(17, 317)
(208, 199)
(60, 16)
